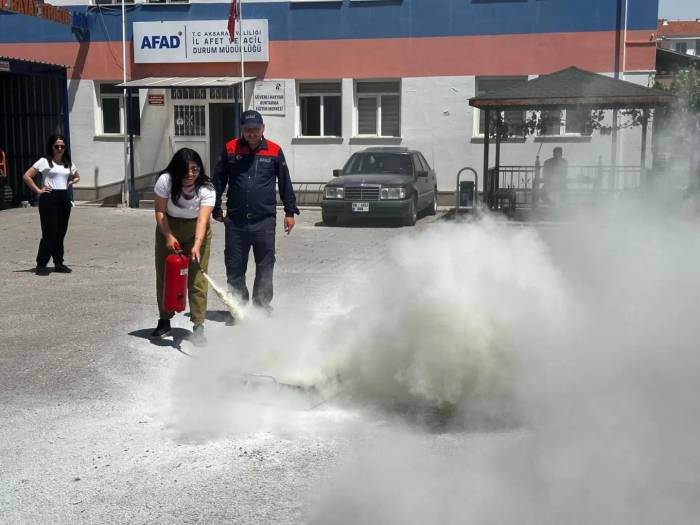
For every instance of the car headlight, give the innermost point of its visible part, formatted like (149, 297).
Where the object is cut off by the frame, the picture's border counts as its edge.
(334, 192)
(392, 193)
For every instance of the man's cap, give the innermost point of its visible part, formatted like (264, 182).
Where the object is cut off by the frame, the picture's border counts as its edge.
(251, 118)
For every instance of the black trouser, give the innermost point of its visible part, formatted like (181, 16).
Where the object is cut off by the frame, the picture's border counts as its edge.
(241, 236)
(54, 212)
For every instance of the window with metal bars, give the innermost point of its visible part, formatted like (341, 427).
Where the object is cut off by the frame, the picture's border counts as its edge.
(378, 105)
(190, 120)
(221, 93)
(191, 93)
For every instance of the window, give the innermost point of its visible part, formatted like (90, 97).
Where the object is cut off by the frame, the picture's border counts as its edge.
(681, 47)
(425, 162)
(193, 93)
(378, 108)
(320, 109)
(571, 122)
(550, 122)
(221, 93)
(578, 121)
(514, 119)
(190, 120)
(111, 115)
(112, 2)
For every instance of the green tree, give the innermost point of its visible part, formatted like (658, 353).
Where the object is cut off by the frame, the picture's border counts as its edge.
(681, 122)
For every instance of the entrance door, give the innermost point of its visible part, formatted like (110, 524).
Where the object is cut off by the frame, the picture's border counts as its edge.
(223, 126)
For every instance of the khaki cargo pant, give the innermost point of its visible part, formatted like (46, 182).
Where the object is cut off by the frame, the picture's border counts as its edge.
(197, 286)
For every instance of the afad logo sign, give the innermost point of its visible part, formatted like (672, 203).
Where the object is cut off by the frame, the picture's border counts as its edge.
(161, 41)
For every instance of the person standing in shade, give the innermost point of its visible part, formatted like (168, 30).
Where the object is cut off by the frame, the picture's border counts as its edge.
(58, 175)
(184, 202)
(251, 167)
(554, 173)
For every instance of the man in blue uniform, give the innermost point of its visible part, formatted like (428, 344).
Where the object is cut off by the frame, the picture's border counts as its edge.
(250, 167)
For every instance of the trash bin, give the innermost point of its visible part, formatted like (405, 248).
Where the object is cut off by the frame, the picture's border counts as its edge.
(466, 194)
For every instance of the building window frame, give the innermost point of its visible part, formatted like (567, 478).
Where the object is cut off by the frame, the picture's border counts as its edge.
(566, 122)
(477, 132)
(379, 92)
(106, 91)
(328, 94)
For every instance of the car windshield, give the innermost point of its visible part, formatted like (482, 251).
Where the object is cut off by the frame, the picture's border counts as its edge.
(378, 163)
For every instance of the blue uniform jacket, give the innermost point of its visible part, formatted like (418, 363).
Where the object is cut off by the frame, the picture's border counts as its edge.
(250, 176)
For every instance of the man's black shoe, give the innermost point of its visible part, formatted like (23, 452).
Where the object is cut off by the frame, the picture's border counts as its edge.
(61, 268)
(42, 270)
(161, 330)
(198, 338)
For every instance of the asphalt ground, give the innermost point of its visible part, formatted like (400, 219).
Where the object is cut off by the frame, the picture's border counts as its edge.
(83, 391)
(100, 425)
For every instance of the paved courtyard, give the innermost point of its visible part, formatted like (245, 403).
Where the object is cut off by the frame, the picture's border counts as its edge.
(582, 382)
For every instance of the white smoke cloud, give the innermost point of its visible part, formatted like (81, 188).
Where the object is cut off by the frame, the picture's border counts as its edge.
(566, 357)
(603, 366)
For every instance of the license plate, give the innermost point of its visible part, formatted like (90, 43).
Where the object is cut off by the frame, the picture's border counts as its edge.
(360, 206)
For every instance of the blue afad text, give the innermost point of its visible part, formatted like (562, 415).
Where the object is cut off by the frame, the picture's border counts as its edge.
(160, 42)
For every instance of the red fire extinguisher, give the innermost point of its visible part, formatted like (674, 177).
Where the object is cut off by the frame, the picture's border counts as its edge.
(175, 281)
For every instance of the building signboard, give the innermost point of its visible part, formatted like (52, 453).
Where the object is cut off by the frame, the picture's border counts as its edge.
(156, 100)
(268, 97)
(200, 41)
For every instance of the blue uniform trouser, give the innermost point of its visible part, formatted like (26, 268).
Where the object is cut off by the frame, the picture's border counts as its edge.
(241, 236)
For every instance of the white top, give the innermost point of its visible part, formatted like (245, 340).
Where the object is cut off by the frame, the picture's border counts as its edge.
(188, 209)
(55, 176)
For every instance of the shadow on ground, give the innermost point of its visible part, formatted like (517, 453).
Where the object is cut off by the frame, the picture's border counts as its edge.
(173, 340)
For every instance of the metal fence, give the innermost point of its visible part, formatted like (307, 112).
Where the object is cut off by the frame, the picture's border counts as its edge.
(521, 186)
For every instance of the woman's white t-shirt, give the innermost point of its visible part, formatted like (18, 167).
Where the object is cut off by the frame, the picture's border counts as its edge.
(188, 209)
(55, 176)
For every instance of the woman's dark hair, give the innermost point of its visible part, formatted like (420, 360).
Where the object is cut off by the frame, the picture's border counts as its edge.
(67, 163)
(178, 170)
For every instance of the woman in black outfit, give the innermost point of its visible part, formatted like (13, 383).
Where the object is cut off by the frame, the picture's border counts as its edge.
(58, 174)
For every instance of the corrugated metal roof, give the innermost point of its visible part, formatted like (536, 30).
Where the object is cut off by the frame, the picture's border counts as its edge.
(34, 62)
(175, 82)
(573, 87)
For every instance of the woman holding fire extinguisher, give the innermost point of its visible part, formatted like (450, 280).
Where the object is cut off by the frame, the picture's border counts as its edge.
(184, 202)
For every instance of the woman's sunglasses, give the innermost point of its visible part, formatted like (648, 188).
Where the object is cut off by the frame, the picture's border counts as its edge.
(58, 146)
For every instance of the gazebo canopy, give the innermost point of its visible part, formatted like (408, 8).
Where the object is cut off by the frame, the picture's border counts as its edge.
(573, 87)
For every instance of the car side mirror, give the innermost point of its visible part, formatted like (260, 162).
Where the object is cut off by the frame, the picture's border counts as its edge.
(336, 173)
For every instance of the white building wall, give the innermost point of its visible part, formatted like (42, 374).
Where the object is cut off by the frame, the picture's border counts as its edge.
(435, 118)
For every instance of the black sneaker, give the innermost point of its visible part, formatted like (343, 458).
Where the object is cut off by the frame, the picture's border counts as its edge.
(61, 268)
(197, 338)
(161, 330)
(42, 270)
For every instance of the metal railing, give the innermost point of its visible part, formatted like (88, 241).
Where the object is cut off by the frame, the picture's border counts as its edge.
(585, 183)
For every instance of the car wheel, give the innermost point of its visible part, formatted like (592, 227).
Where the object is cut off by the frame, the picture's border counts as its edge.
(329, 220)
(410, 219)
(432, 210)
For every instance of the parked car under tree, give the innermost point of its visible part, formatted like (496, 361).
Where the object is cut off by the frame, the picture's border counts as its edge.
(381, 182)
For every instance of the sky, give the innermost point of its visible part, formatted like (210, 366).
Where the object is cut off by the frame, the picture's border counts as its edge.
(679, 9)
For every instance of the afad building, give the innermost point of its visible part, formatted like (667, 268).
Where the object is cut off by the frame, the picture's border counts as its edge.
(329, 76)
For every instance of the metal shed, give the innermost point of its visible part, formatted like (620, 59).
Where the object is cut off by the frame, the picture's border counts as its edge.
(33, 105)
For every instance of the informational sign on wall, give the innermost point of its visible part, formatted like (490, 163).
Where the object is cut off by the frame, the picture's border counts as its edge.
(200, 41)
(268, 97)
(156, 100)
